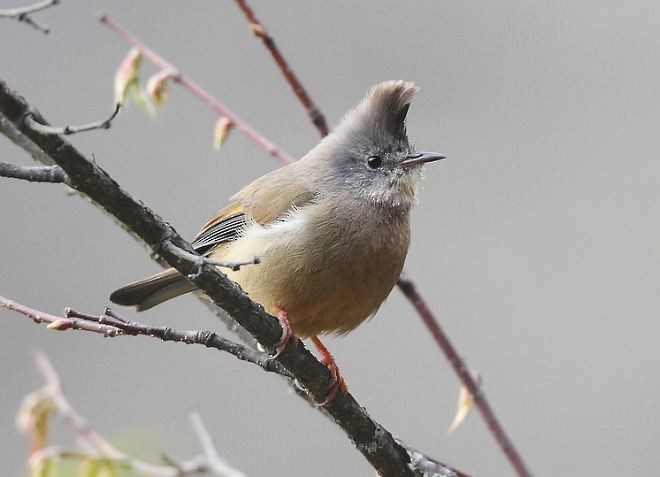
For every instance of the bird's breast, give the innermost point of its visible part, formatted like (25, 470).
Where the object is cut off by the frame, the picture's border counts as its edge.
(328, 268)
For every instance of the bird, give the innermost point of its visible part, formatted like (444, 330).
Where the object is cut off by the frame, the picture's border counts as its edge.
(331, 230)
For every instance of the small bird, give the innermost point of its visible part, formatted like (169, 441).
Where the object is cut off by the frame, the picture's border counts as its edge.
(331, 230)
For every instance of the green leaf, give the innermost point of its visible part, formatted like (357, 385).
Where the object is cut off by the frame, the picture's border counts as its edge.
(140, 97)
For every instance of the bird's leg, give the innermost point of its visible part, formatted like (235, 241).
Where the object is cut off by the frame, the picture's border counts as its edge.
(328, 360)
(283, 317)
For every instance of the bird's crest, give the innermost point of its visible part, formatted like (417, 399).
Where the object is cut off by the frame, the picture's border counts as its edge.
(382, 111)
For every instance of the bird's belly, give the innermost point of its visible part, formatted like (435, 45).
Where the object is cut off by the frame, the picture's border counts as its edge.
(326, 285)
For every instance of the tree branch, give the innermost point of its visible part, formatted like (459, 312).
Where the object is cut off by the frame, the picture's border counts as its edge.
(68, 130)
(22, 14)
(110, 324)
(469, 380)
(201, 260)
(52, 174)
(260, 31)
(376, 444)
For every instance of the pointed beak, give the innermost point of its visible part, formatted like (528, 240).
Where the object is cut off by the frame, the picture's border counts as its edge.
(421, 158)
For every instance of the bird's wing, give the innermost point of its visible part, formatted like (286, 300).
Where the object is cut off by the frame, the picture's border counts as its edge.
(264, 201)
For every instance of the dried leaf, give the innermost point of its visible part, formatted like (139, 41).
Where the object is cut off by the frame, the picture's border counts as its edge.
(221, 131)
(157, 86)
(33, 417)
(465, 404)
(127, 74)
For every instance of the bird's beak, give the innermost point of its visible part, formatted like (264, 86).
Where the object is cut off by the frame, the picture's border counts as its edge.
(421, 158)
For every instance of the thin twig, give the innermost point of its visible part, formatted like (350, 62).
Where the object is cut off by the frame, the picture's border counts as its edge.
(206, 97)
(103, 449)
(215, 462)
(60, 323)
(22, 14)
(53, 174)
(110, 324)
(469, 380)
(68, 130)
(201, 260)
(260, 31)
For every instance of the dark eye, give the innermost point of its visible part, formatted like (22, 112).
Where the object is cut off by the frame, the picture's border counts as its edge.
(374, 162)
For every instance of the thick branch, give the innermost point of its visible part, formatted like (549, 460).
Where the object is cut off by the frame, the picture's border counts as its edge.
(377, 445)
(260, 31)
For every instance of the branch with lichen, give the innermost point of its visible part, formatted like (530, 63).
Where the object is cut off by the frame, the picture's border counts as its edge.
(385, 453)
(95, 452)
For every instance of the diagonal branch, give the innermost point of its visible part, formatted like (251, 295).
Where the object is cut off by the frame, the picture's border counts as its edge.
(260, 31)
(388, 456)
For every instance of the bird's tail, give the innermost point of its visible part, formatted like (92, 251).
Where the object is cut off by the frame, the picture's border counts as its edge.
(152, 291)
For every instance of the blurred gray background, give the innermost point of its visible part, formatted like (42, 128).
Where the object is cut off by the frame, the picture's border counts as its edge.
(536, 242)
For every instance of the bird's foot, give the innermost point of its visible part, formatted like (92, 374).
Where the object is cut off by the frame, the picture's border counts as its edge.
(329, 361)
(287, 332)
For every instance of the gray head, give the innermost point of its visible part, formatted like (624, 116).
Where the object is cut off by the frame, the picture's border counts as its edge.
(369, 149)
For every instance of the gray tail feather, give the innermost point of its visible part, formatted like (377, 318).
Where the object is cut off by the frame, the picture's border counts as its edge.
(152, 291)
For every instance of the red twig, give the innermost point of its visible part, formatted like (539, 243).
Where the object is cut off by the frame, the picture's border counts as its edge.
(198, 91)
(405, 283)
(60, 323)
(469, 381)
(299, 90)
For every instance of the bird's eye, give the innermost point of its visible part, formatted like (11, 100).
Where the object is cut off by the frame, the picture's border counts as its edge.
(374, 162)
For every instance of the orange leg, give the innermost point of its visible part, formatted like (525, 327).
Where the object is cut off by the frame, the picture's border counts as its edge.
(327, 359)
(283, 317)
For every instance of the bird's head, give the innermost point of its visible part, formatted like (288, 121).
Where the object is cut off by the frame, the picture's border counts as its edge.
(369, 154)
